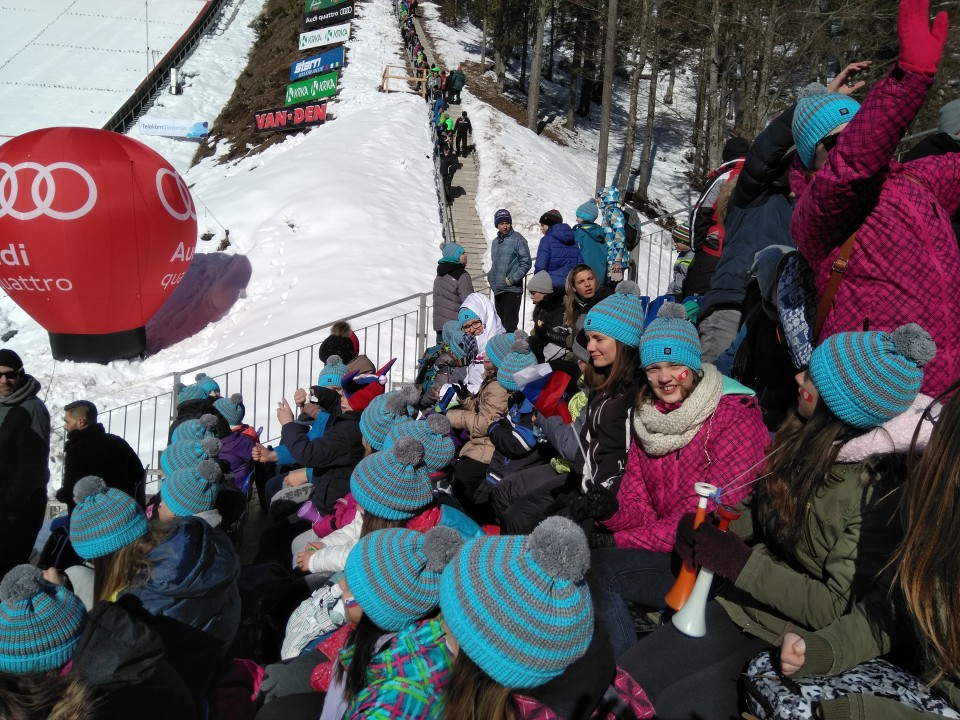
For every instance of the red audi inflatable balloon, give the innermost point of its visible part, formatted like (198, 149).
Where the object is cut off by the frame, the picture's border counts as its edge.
(96, 231)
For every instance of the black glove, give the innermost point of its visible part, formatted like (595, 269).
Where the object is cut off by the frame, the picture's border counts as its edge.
(558, 335)
(601, 540)
(683, 545)
(291, 677)
(600, 503)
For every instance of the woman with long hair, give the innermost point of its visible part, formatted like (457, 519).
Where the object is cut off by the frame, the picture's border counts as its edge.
(690, 424)
(812, 537)
(518, 617)
(583, 291)
(925, 600)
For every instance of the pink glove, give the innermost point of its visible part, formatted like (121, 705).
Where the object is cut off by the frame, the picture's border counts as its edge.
(921, 46)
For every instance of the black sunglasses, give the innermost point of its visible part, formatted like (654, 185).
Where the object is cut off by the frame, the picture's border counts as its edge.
(10, 374)
(829, 141)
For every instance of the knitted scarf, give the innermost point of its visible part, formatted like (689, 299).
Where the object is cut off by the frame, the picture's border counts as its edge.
(661, 434)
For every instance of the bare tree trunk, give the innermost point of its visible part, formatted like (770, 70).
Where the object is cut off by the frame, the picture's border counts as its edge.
(640, 58)
(696, 140)
(646, 159)
(671, 80)
(711, 151)
(553, 39)
(533, 94)
(609, 58)
(576, 70)
(483, 47)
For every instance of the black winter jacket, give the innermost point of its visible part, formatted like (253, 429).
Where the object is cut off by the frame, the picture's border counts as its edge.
(24, 449)
(450, 288)
(546, 316)
(94, 451)
(332, 456)
(758, 214)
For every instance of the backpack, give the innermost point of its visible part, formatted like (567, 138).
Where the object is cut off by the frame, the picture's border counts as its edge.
(631, 227)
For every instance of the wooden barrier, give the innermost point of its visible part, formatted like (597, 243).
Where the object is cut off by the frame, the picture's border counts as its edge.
(404, 76)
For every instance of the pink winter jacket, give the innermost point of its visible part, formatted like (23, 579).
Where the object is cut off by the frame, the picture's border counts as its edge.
(905, 261)
(655, 492)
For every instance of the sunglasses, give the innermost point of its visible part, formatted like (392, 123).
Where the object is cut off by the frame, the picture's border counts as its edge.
(10, 374)
(829, 141)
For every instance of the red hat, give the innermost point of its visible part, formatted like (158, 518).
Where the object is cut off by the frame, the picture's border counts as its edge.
(361, 388)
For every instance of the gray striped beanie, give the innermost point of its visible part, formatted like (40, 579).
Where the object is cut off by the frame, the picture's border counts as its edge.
(393, 484)
(104, 520)
(395, 574)
(189, 491)
(232, 409)
(519, 358)
(619, 316)
(518, 605)
(206, 426)
(385, 411)
(868, 378)
(497, 348)
(671, 338)
(433, 433)
(188, 454)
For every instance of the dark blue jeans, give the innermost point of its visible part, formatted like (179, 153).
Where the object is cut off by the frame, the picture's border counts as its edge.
(621, 575)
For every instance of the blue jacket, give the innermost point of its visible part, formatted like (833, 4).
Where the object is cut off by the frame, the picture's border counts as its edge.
(558, 253)
(592, 241)
(509, 258)
(194, 579)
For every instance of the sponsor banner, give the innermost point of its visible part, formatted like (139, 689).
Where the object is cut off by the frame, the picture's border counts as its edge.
(310, 6)
(175, 128)
(325, 62)
(290, 118)
(341, 12)
(325, 36)
(311, 89)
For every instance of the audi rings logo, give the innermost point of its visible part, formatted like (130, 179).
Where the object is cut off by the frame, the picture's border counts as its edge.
(43, 190)
(183, 192)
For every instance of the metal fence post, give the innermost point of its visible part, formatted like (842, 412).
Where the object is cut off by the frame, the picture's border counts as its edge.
(173, 399)
(422, 327)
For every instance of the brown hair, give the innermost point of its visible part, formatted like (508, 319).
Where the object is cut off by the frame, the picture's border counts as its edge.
(44, 695)
(128, 567)
(798, 467)
(620, 378)
(371, 523)
(571, 295)
(473, 695)
(723, 199)
(927, 562)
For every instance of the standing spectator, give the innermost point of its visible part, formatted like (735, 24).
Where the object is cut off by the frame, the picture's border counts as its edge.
(946, 140)
(681, 266)
(591, 239)
(25, 448)
(450, 287)
(509, 263)
(91, 450)
(460, 128)
(448, 167)
(614, 226)
(706, 231)
(456, 82)
(558, 253)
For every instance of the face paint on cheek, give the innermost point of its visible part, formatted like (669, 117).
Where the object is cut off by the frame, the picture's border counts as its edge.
(684, 374)
(806, 395)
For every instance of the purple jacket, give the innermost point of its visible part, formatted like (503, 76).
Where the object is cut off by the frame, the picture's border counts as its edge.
(905, 261)
(558, 253)
(656, 492)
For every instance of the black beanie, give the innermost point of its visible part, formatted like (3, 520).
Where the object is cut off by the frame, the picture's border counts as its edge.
(734, 148)
(551, 218)
(8, 358)
(337, 345)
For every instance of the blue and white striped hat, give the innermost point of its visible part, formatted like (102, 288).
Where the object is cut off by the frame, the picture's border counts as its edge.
(393, 484)
(671, 338)
(104, 520)
(619, 316)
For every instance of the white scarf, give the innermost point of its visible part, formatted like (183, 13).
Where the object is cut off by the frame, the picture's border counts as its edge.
(663, 433)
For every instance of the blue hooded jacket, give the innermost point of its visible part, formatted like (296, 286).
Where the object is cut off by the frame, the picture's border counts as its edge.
(558, 253)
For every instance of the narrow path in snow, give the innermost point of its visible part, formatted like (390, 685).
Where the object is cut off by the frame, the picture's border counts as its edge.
(466, 223)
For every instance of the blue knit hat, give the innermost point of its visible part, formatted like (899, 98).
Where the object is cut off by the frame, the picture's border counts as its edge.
(588, 211)
(868, 378)
(433, 433)
(195, 429)
(188, 491)
(519, 358)
(619, 316)
(394, 574)
(40, 622)
(451, 253)
(104, 520)
(188, 454)
(393, 484)
(500, 216)
(333, 372)
(231, 408)
(518, 604)
(459, 345)
(449, 330)
(466, 315)
(671, 338)
(498, 346)
(384, 412)
(817, 115)
(197, 390)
